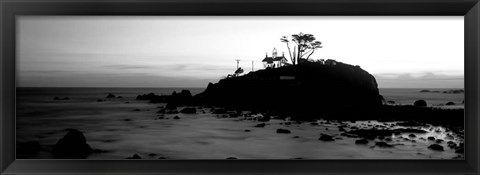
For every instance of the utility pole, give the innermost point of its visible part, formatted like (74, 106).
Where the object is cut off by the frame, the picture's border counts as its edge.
(237, 62)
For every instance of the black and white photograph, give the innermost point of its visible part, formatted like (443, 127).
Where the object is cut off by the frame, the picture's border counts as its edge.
(240, 87)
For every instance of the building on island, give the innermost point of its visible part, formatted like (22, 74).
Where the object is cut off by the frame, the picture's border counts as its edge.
(275, 61)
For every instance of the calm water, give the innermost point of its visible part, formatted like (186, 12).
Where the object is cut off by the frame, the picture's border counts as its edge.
(118, 128)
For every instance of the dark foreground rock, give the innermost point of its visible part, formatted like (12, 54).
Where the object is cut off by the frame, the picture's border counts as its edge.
(361, 141)
(326, 138)
(188, 111)
(283, 131)
(72, 146)
(436, 147)
(383, 145)
(420, 103)
(136, 156)
(110, 95)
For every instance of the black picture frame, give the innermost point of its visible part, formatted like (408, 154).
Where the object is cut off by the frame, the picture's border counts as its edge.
(470, 9)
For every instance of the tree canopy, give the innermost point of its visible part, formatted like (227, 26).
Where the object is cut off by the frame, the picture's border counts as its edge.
(304, 45)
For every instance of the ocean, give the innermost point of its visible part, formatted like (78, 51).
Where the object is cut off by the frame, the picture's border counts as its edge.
(122, 127)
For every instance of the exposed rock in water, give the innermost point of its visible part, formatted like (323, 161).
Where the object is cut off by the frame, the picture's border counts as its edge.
(361, 141)
(436, 147)
(56, 98)
(431, 138)
(425, 90)
(438, 141)
(231, 158)
(136, 156)
(176, 117)
(260, 125)
(346, 85)
(326, 138)
(411, 124)
(189, 110)
(454, 91)
(247, 130)
(420, 103)
(283, 131)
(383, 145)
(110, 95)
(460, 150)
(171, 106)
(412, 135)
(72, 146)
(264, 119)
(450, 103)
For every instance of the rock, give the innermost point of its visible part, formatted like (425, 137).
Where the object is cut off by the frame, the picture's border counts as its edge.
(72, 146)
(119, 97)
(420, 103)
(152, 154)
(388, 139)
(326, 138)
(411, 124)
(172, 112)
(264, 119)
(161, 111)
(171, 106)
(431, 138)
(439, 141)
(189, 110)
(436, 147)
(314, 123)
(450, 103)
(56, 98)
(260, 125)
(351, 86)
(247, 130)
(100, 100)
(110, 95)
(361, 141)
(176, 117)
(136, 156)
(383, 145)
(425, 90)
(390, 102)
(283, 131)
(136, 110)
(296, 137)
(231, 158)
(412, 135)
(460, 150)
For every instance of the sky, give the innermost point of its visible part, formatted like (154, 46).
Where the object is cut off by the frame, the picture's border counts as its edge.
(191, 51)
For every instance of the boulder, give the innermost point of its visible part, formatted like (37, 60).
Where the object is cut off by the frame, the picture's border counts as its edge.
(431, 138)
(72, 146)
(260, 125)
(188, 110)
(176, 117)
(450, 103)
(436, 147)
(136, 156)
(326, 138)
(420, 103)
(361, 141)
(412, 136)
(283, 131)
(110, 95)
(383, 145)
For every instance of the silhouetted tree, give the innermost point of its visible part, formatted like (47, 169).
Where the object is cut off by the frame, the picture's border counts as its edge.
(304, 45)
